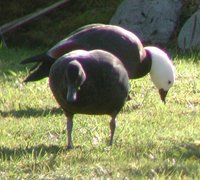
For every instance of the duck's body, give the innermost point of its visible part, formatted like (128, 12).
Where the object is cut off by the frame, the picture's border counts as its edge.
(89, 82)
(104, 89)
(114, 39)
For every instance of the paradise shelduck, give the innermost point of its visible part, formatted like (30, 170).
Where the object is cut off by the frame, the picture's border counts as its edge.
(125, 45)
(89, 82)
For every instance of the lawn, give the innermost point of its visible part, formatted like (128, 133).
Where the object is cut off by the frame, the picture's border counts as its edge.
(152, 140)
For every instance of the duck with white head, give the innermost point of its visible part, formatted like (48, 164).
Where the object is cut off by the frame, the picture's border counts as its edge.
(125, 45)
(162, 71)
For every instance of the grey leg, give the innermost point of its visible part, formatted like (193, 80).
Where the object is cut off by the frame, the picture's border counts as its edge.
(112, 129)
(69, 132)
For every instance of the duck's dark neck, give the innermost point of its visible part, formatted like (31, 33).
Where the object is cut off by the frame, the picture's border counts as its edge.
(144, 67)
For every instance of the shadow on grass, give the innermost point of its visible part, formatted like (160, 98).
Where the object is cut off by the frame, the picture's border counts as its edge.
(30, 112)
(36, 151)
(181, 159)
(184, 151)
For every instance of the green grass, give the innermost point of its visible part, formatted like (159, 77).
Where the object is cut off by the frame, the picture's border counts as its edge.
(152, 140)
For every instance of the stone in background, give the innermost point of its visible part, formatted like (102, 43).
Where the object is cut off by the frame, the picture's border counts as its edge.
(153, 21)
(189, 36)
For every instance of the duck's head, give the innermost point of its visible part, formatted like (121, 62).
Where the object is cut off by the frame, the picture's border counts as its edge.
(162, 71)
(75, 76)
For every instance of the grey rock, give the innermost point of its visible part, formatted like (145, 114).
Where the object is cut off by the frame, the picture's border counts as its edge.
(151, 20)
(188, 37)
(197, 2)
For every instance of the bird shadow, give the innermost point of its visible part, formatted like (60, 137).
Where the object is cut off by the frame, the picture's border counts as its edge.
(184, 151)
(31, 112)
(37, 151)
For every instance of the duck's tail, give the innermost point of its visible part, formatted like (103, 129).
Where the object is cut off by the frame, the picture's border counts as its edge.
(41, 69)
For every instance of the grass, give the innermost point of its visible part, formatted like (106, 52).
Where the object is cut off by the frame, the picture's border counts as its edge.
(152, 140)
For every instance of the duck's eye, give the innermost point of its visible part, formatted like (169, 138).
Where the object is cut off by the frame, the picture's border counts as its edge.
(169, 82)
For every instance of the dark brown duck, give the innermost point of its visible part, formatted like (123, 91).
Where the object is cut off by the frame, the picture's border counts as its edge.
(89, 82)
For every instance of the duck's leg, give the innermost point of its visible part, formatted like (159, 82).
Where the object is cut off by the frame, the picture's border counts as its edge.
(69, 131)
(112, 128)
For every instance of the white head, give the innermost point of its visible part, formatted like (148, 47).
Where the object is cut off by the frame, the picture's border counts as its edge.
(162, 70)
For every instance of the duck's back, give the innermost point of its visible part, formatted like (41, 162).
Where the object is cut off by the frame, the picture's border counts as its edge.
(116, 40)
